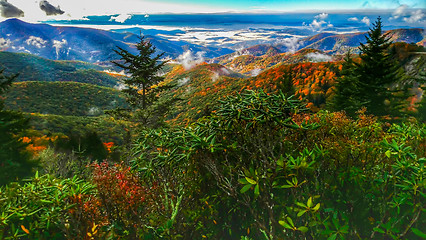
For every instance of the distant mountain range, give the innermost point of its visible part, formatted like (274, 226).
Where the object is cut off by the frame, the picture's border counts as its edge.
(85, 44)
(94, 45)
(318, 48)
(340, 43)
(337, 43)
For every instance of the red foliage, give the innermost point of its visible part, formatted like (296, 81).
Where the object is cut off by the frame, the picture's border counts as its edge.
(118, 186)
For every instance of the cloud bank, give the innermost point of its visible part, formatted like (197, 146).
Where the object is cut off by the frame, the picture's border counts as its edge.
(188, 60)
(292, 44)
(121, 18)
(407, 15)
(4, 43)
(366, 20)
(319, 57)
(319, 23)
(36, 41)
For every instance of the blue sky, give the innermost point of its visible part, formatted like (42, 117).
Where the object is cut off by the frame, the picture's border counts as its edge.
(292, 5)
(75, 9)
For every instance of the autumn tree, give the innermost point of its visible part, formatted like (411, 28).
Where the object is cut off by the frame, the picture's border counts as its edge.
(141, 87)
(14, 159)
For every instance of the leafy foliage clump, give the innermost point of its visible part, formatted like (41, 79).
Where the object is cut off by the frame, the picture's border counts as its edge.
(261, 167)
(271, 170)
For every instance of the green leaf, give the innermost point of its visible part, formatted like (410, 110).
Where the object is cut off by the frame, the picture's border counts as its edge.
(332, 237)
(388, 153)
(290, 221)
(280, 161)
(309, 203)
(301, 205)
(284, 224)
(303, 229)
(317, 207)
(251, 181)
(379, 230)
(256, 190)
(299, 214)
(242, 181)
(419, 233)
(245, 188)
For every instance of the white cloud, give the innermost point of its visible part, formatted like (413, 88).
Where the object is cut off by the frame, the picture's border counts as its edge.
(416, 16)
(322, 16)
(319, 57)
(4, 43)
(183, 81)
(120, 86)
(255, 72)
(221, 72)
(317, 26)
(353, 19)
(121, 18)
(58, 45)
(366, 20)
(292, 44)
(188, 60)
(400, 11)
(93, 111)
(36, 41)
(215, 76)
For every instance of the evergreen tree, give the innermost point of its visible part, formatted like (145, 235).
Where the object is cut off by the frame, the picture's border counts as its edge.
(375, 82)
(14, 159)
(377, 73)
(346, 89)
(140, 88)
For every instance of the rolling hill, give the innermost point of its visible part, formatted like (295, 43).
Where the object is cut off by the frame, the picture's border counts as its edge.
(250, 65)
(62, 98)
(33, 68)
(312, 81)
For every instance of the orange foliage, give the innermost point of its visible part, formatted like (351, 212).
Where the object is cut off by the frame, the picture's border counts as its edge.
(38, 144)
(108, 146)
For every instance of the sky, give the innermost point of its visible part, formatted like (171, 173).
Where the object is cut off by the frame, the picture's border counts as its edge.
(74, 9)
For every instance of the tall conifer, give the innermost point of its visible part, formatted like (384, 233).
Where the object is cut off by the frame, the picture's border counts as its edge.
(144, 73)
(377, 73)
(374, 81)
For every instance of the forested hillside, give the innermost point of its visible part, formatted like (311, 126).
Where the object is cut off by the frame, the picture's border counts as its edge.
(63, 98)
(33, 68)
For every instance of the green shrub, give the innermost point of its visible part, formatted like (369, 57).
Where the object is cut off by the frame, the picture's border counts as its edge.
(41, 208)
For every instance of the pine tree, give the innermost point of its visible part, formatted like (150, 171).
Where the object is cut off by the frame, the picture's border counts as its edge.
(375, 82)
(346, 89)
(377, 73)
(144, 75)
(14, 159)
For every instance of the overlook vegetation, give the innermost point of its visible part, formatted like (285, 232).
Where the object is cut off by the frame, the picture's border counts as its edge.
(300, 150)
